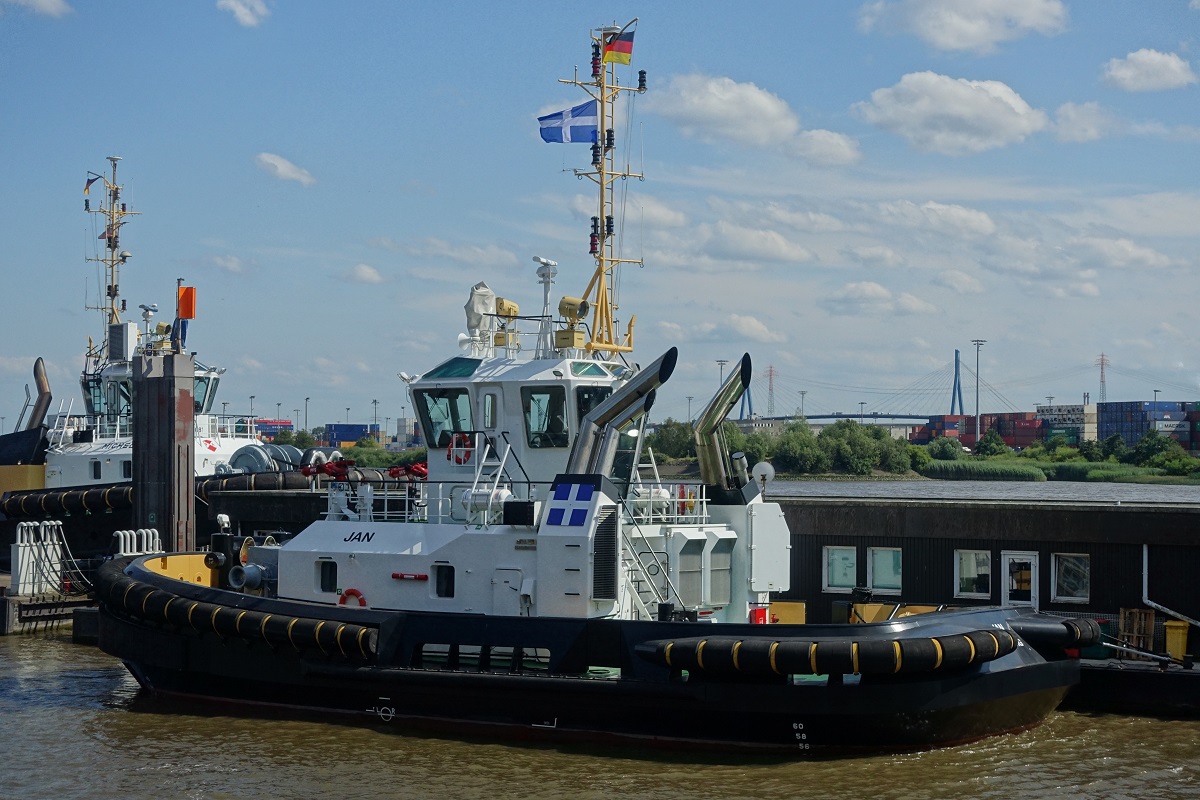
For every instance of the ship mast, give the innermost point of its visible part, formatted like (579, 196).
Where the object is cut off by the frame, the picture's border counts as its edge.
(113, 212)
(605, 88)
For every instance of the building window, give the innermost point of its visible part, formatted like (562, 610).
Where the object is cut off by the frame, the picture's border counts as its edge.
(883, 569)
(443, 580)
(1072, 577)
(972, 573)
(839, 572)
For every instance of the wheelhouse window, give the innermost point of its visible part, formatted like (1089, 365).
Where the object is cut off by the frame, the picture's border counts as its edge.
(588, 397)
(972, 573)
(443, 413)
(1072, 577)
(545, 409)
(839, 571)
(884, 569)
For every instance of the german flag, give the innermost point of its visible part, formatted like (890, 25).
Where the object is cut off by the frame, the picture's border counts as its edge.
(619, 48)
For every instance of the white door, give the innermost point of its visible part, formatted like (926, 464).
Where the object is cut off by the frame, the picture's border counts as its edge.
(1018, 579)
(506, 592)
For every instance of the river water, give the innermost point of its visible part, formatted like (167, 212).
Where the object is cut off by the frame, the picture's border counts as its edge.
(73, 725)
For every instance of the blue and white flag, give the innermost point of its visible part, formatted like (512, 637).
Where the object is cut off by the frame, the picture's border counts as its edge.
(578, 124)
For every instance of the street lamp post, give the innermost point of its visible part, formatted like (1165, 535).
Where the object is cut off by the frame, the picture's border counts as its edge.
(861, 405)
(1156, 391)
(802, 393)
(721, 362)
(387, 421)
(252, 405)
(690, 398)
(277, 411)
(978, 344)
(224, 405)
(376, 404)
(295, 417)
(347, 415)
(306, 413)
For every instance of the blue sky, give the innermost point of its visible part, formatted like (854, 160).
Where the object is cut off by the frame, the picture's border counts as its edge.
(849, 191)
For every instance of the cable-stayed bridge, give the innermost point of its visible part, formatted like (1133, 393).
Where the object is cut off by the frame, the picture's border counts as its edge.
(938, 392)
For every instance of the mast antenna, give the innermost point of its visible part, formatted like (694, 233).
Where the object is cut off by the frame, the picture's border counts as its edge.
(610, 47)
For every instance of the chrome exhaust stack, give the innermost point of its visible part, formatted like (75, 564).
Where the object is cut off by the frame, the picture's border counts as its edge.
(711, 452)
(593, 446)
(42, 405)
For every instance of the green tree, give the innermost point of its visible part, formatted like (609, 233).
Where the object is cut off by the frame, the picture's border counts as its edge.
(1154, 447)
(304, 440)
(285, 436)
(991, 444)
(1091, 450)
(919, 457)
(1114, 447)
(945, 448)
(797, 451)
(673, 439)
(894, 455)
(850, 447)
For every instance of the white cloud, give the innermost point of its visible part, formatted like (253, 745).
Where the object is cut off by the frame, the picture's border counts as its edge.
(51, 8)
(954, 25)
(910, 304)
(952, 115)
(228, 263)
(652, 212)
(364, 273)
(865, 297)
(961, 282)
(875, 255)
(283, 169)
(248, 13)
(825, 147)
(1120, 253)
(751, 244)
(953, 219)
(716, 109)
(1149, 71)
(752, 328)
(468, 254)
(1083, 122)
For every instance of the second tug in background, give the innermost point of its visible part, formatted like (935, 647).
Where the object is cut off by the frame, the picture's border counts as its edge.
(545, 583)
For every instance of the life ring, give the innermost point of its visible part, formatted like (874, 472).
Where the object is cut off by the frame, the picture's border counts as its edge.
(356, 594)
(460, 449)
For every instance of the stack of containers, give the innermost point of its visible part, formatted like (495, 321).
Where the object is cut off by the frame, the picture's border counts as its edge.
(1134, 419)
(1075, 422)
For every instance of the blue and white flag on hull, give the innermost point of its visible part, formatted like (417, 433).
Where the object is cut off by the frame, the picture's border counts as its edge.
(578, 124)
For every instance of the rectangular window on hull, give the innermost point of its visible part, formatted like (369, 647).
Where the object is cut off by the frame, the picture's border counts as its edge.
(95, 470)
(884, 569)
(839, 572)
(327, 576)
(1072, 577)
(443, 580)
(972, 573)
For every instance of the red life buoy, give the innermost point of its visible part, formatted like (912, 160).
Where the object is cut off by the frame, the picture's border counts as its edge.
(356, 594)
(459, 450)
